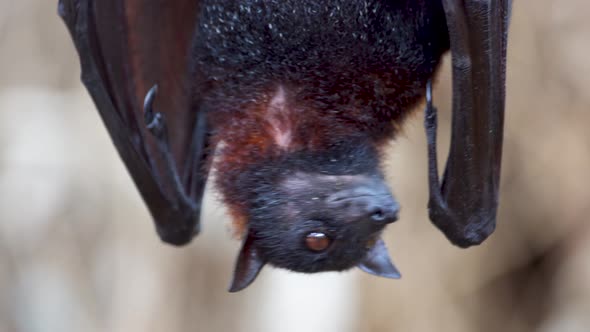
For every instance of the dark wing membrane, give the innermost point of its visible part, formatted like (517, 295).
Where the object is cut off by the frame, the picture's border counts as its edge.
(465, 206)
(125, 47)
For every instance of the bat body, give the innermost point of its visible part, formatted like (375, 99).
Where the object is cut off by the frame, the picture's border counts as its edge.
(304, 94)
(296, 99)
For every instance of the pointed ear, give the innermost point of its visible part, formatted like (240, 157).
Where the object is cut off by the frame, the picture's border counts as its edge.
(377, 262)
(248, 265)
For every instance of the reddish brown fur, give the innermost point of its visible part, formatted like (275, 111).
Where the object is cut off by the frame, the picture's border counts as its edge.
(248, 138)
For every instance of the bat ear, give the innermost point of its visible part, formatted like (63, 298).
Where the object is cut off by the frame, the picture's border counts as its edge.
(248, 265)
(377, 262)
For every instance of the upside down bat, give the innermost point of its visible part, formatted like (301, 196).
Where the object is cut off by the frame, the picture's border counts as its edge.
(296, 99)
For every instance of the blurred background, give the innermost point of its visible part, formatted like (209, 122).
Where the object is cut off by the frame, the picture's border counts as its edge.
(78, 251)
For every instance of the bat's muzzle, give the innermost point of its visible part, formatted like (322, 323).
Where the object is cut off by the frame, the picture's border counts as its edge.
(372, 202)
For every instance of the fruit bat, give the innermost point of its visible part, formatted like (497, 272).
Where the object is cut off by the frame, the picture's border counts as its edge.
(290, 104)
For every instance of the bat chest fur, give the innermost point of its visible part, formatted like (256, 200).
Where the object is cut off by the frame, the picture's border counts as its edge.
(363, 62)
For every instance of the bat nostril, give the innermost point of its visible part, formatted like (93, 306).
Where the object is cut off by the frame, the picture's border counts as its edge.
(383, 214)
(378, 215)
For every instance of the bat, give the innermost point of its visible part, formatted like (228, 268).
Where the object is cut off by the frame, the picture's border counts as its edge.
(290, 104)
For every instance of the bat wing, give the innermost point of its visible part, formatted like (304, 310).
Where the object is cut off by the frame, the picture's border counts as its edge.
(125, 48)
(464, 206)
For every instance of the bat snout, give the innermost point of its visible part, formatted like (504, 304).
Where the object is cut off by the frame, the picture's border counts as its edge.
(366, 204)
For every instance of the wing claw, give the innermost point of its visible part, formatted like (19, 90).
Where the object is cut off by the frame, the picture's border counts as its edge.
(430, 118)
(156, 124)
(154, 121)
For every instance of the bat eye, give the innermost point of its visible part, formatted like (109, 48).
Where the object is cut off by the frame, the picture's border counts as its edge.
(316, 241)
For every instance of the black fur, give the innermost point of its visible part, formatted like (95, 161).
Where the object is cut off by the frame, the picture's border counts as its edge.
(361, 61)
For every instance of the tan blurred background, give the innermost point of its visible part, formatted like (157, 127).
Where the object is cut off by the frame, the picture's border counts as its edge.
(78, 251)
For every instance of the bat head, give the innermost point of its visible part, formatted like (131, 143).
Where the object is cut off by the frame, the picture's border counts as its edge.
(315, 212)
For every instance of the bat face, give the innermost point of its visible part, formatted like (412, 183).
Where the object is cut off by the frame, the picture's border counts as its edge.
(308, 213)
(316, 223)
